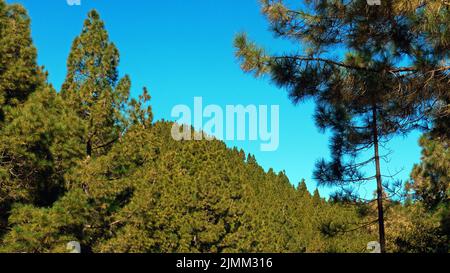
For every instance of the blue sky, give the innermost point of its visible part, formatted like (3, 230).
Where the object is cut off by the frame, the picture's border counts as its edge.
(180, 49)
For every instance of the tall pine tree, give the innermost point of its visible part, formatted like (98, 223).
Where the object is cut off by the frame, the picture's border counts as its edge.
(19, 73)
(93, 88)
(20, 77)
(385, 77)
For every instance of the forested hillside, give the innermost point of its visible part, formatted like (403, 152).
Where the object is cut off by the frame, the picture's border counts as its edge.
(88, 163)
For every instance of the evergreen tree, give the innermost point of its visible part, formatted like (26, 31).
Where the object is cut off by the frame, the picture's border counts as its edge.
(33, 127)
(431, 178)
(303, 188)
(93, 89)
(316, 198)
(139, 112)
(39, 144)
(415, 229)
(364, 96)
(153, 194)
(87, 166)
(19, 73)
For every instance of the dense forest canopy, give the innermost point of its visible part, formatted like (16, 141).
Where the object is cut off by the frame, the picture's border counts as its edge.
(88, 163)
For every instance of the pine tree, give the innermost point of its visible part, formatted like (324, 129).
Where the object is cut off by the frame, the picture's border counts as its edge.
(364, 96)
(316, 198)
(31, 120)
(139, 111)
(93, 89)
(39, 145)
(431, 178)
(153, 194)
(19, 73)
(141, 191)
(302, 187)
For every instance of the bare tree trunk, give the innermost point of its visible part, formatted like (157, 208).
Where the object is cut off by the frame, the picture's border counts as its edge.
(379, 182)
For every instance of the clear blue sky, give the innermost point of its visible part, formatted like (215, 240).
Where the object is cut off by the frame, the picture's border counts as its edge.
(180, 49)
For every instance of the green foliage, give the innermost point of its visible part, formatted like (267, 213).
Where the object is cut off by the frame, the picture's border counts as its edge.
(430, 187)
(153, 194)
(19, 73)
(38, 145)
(90, 165)
(364, 96)
(414, 229)
(431, 178)
(92, 87)
(42, 230)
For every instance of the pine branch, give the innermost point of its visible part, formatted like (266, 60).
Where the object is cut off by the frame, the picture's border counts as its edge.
(354, 67)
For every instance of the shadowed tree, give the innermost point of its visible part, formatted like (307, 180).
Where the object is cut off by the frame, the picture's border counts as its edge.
(38, 145)
(373, 71)
(22, 153)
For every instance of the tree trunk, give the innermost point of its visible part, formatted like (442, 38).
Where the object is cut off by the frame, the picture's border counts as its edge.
(379, 182)
(89, 148)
